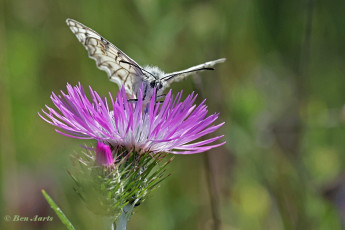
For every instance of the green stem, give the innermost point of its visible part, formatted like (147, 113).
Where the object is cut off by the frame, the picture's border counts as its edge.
(124, 218)
(109, 223)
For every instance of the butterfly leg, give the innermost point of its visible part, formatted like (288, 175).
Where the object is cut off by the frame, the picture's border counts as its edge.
(159, 102)
(132, 100)
(160, 96)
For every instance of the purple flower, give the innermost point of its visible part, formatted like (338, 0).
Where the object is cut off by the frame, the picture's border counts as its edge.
(170, 126)
(103, 155)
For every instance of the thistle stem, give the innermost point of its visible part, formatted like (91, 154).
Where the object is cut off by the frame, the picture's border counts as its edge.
(109, 223)
(124, 218)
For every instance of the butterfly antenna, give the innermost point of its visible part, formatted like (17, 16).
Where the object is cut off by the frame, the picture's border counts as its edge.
(168, 77)
(135, 65)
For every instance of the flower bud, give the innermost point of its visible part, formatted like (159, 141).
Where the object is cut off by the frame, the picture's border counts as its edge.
(104, 156)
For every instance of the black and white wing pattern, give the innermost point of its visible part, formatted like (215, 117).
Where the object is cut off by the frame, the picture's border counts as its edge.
(180, 75)
(120, 68)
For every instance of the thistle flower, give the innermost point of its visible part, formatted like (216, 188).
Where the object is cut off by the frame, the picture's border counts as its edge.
(171, 126)
(133, 139)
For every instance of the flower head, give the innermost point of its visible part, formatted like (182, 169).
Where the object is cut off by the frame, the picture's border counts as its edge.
(170, 126)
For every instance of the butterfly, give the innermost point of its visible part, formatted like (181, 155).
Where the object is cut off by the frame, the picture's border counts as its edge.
(123, 70)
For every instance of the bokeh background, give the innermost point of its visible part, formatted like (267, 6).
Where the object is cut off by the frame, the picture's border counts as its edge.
(281, 93)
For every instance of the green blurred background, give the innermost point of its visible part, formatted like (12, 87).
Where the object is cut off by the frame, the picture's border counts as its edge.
(281, 94)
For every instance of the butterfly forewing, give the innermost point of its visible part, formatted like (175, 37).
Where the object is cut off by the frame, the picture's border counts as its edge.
(107, 56)
(180, 75)
(123, 70)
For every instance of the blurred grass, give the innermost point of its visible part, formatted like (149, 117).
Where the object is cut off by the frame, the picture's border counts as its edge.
(282, 100)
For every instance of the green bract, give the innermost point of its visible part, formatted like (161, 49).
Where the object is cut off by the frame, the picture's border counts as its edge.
(107, 189)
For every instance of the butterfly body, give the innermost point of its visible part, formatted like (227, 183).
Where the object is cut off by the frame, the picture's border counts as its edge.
(123, 70)
(151, 82)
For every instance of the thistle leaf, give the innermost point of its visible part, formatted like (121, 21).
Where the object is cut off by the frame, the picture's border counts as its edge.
(58, 211)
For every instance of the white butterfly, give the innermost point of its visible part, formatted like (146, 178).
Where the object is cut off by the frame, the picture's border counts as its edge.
(123, 70)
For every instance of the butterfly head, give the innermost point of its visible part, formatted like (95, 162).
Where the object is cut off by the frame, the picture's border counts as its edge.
(154, 76)
(156, 84)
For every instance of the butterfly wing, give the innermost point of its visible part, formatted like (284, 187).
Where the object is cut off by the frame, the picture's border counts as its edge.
(108, 57)
(180, 75)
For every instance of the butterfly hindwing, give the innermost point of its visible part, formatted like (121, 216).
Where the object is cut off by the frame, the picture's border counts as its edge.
(108, 57)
